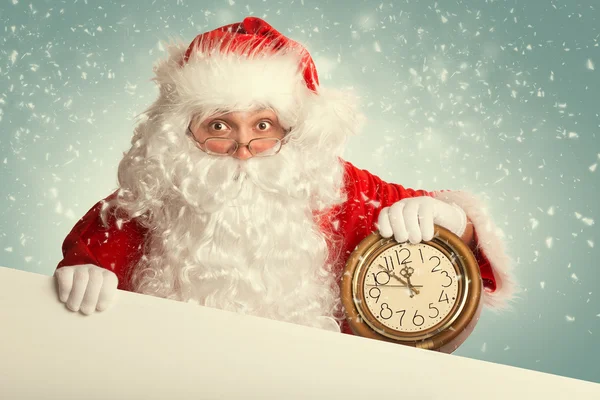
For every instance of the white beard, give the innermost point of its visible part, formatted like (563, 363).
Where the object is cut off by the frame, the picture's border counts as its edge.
(239, 236)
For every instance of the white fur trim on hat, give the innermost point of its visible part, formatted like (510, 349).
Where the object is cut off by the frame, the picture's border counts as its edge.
(490, 242)
(228, 81)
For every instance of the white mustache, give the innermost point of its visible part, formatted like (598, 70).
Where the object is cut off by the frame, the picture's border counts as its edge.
(222, 180)
(257, 174)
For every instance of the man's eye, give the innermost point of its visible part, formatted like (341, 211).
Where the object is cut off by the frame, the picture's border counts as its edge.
(264, 125)
(217, 126)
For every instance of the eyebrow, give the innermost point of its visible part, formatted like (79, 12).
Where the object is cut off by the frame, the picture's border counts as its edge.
(253, 115)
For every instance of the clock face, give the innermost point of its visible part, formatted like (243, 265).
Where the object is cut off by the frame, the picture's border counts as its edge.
(410, 288)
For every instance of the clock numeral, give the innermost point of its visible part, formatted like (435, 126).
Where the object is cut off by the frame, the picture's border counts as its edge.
(403, 262)
(447, 276)
(389, 263)
(376, 277)
(421, 318)
(444, 299)
(402, 316)
(422, 260)
(388, 311)
(437, 312)
(436, 269)
(378, 293)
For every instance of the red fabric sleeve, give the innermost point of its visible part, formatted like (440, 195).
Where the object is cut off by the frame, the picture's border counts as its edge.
(485, 267)
(116, 247)
(367, 196)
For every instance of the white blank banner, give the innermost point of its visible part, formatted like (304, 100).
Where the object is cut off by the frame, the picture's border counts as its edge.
(150, 348)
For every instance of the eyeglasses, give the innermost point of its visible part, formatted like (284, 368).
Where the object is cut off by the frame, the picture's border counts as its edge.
(259, 147)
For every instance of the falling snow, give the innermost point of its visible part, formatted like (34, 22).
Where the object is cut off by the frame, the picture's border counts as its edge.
(13, 56)
(586, 220)
(533, 223)
(480, 96)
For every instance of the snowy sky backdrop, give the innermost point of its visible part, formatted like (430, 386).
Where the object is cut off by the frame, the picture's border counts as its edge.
(496, 97)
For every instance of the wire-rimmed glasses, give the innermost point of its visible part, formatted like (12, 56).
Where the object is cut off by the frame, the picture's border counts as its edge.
(217, 146)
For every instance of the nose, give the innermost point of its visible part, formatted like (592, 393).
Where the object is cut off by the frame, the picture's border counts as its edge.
(242, 153)
(244, 135)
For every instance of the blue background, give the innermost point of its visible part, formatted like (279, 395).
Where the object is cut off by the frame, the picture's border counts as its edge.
(496, 97)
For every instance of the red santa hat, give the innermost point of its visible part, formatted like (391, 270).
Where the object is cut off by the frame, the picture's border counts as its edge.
(252, 36)
(250, 64)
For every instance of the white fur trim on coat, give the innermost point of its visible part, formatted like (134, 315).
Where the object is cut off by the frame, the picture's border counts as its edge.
(490, 243)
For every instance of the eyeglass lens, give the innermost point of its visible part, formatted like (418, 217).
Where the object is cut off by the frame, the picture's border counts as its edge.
(258, 147)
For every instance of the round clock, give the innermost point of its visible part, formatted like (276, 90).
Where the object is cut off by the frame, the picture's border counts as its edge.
(425, 295)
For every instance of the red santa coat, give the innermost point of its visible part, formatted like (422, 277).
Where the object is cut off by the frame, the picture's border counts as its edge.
(119, 248)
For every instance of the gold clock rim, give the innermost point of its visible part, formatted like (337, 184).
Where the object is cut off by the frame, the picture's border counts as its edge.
(459, 321)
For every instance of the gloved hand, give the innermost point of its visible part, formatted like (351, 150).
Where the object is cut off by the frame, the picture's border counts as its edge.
(86, 288)
(412, 219)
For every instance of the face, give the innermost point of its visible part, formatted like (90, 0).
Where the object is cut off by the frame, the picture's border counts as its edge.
(411, 288)
(241, 127)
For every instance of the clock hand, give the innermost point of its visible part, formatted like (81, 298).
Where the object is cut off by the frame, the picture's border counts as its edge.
(411, 285)
(367, 284)
(391, 273)
(407, 273)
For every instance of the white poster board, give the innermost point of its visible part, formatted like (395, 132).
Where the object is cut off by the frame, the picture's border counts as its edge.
(150, 348)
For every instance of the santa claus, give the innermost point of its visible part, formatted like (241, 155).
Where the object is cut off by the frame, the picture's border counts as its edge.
(234, 194)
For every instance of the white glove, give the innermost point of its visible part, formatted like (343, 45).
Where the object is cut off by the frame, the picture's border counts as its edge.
(86, 288)
(412, 219)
